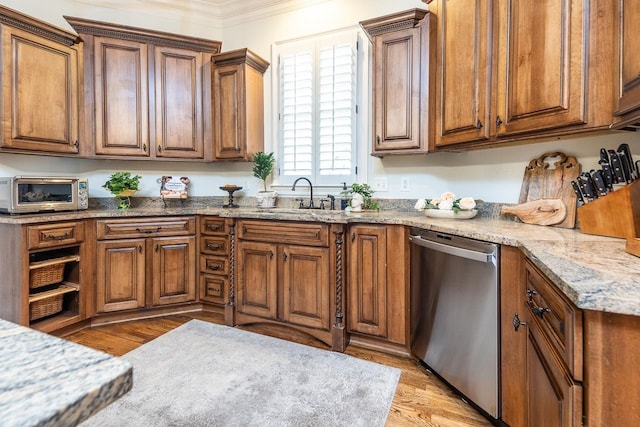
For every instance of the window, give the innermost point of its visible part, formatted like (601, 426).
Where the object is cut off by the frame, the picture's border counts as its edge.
(317, 108)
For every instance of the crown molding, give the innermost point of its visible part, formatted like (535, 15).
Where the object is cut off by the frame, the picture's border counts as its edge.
(216, 13)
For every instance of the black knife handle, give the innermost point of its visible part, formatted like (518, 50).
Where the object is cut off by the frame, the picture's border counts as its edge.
(624, 165)
(587, 187)
(618, 175)
(624, 149)
(604, 157)
(576, 189)
(607, 174)
(598, 180)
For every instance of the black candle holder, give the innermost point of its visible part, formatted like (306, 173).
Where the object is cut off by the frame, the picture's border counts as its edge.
(230, 190)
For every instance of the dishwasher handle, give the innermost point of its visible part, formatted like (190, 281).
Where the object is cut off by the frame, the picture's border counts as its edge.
(489, 258)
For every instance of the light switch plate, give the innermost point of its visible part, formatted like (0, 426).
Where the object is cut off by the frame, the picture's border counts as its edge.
(380, 184)
(404, 184)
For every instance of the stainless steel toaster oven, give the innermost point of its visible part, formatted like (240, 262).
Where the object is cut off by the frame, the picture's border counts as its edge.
(30, 194)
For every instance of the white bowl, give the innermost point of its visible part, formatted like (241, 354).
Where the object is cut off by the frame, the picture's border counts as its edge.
(448, 213)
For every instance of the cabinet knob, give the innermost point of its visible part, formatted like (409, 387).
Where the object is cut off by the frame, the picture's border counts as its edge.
(516, 322)
(378, 139)
(498, 122)
(479, 125)
(144, 147)
(284, 256)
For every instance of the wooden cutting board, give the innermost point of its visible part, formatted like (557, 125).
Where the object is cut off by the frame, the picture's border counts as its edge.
(543, 180)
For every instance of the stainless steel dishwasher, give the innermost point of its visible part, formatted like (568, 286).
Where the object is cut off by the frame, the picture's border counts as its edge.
(454, 313)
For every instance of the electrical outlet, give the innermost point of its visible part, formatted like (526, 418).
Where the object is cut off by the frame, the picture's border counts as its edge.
(404, 184)
(380, 184)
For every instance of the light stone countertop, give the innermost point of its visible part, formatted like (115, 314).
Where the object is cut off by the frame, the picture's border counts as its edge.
(47, 381)
(594, 272)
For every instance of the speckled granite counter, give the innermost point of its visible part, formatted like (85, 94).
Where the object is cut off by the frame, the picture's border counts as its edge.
(47, 381)
(594, 272)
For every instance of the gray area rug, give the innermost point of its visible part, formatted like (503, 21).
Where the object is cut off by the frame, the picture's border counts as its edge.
(203, 374)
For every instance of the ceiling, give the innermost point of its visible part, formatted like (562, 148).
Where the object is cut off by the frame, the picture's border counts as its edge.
(216, 12)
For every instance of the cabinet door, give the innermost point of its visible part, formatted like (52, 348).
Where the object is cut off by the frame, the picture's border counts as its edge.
(228, 112)
(541, 84)
(465, 71)
(305, 279)
(121, 276)
(367, 281)
(257, 279)
(121, 97)
(39, 93)
(178, 103)
(554, 399)
(396, 90)
(174, 269)
(629, 63)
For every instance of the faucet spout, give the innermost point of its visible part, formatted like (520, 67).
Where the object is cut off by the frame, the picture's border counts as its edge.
(310, 190)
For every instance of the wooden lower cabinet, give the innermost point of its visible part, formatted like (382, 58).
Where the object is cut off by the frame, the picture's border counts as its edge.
(286, 274)
(142, 272)
(378, 283)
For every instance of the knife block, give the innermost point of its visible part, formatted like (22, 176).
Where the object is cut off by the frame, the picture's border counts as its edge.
(615, 215)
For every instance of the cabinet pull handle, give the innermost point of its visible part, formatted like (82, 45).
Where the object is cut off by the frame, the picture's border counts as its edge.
(516, 322)
(353, 236)
(159, 148)
(157, 248)
(213, 267)
(538, 311)
(270, 254)
(213, 247)
(57, 236)
(140, 230)
(378, 139)
(498, 122)
(76, 143)
(144, 147)
(213, 227)
(479, 125)
(139, 249)
(284, 256)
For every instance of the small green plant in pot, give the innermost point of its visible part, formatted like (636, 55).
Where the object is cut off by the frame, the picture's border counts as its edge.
(361, 195)
(123, 185)
(262, 167)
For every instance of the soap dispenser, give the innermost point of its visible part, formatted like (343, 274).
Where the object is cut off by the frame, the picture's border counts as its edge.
(343, 196)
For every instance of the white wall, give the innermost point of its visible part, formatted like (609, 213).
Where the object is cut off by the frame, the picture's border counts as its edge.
(493, 175)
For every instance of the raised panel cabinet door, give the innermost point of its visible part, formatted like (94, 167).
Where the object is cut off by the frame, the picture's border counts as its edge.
(120, 283)
(465, 71)
(228, 112)
(368, 281)
(174, 269)
(178, 103)
(257, 292)
(542, 66)
(305, 278)
(121, 97)
(629, 63)
(396, 90)
(554, 398)
(39, 93)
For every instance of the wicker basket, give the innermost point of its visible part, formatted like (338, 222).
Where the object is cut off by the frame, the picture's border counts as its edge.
(46, 275)
(45, 307)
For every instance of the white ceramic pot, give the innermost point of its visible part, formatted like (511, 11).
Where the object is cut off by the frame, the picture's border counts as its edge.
(266, 199)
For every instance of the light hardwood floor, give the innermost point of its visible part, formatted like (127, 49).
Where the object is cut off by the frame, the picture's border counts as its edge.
(421, 399)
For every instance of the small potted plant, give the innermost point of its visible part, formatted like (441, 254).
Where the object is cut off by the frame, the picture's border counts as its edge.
(123, 186)
(360, 197)
(262, 167)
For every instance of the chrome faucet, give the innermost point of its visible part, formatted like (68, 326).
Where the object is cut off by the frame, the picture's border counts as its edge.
(310, 189)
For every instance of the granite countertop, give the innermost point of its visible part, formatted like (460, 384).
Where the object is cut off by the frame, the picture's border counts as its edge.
(594, 272)
(47, 381)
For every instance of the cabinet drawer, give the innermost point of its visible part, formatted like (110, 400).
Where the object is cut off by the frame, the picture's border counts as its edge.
(214, 264)
(308, 234)
(145, 227)
(213, 225)
(558, 319)
(50, 235)
(214, 245)
(213, 288)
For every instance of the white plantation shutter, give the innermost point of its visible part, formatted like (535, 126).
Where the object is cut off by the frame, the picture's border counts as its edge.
(317, 118)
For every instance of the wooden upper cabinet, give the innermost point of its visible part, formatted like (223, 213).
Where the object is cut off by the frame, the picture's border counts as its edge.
(121, 93)
(148, 90)
(465, 73)
(238, 104)
(40, 85)
(510, 70)
(542, 78)
(401, 76)
(179, 119)
(628, 78)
